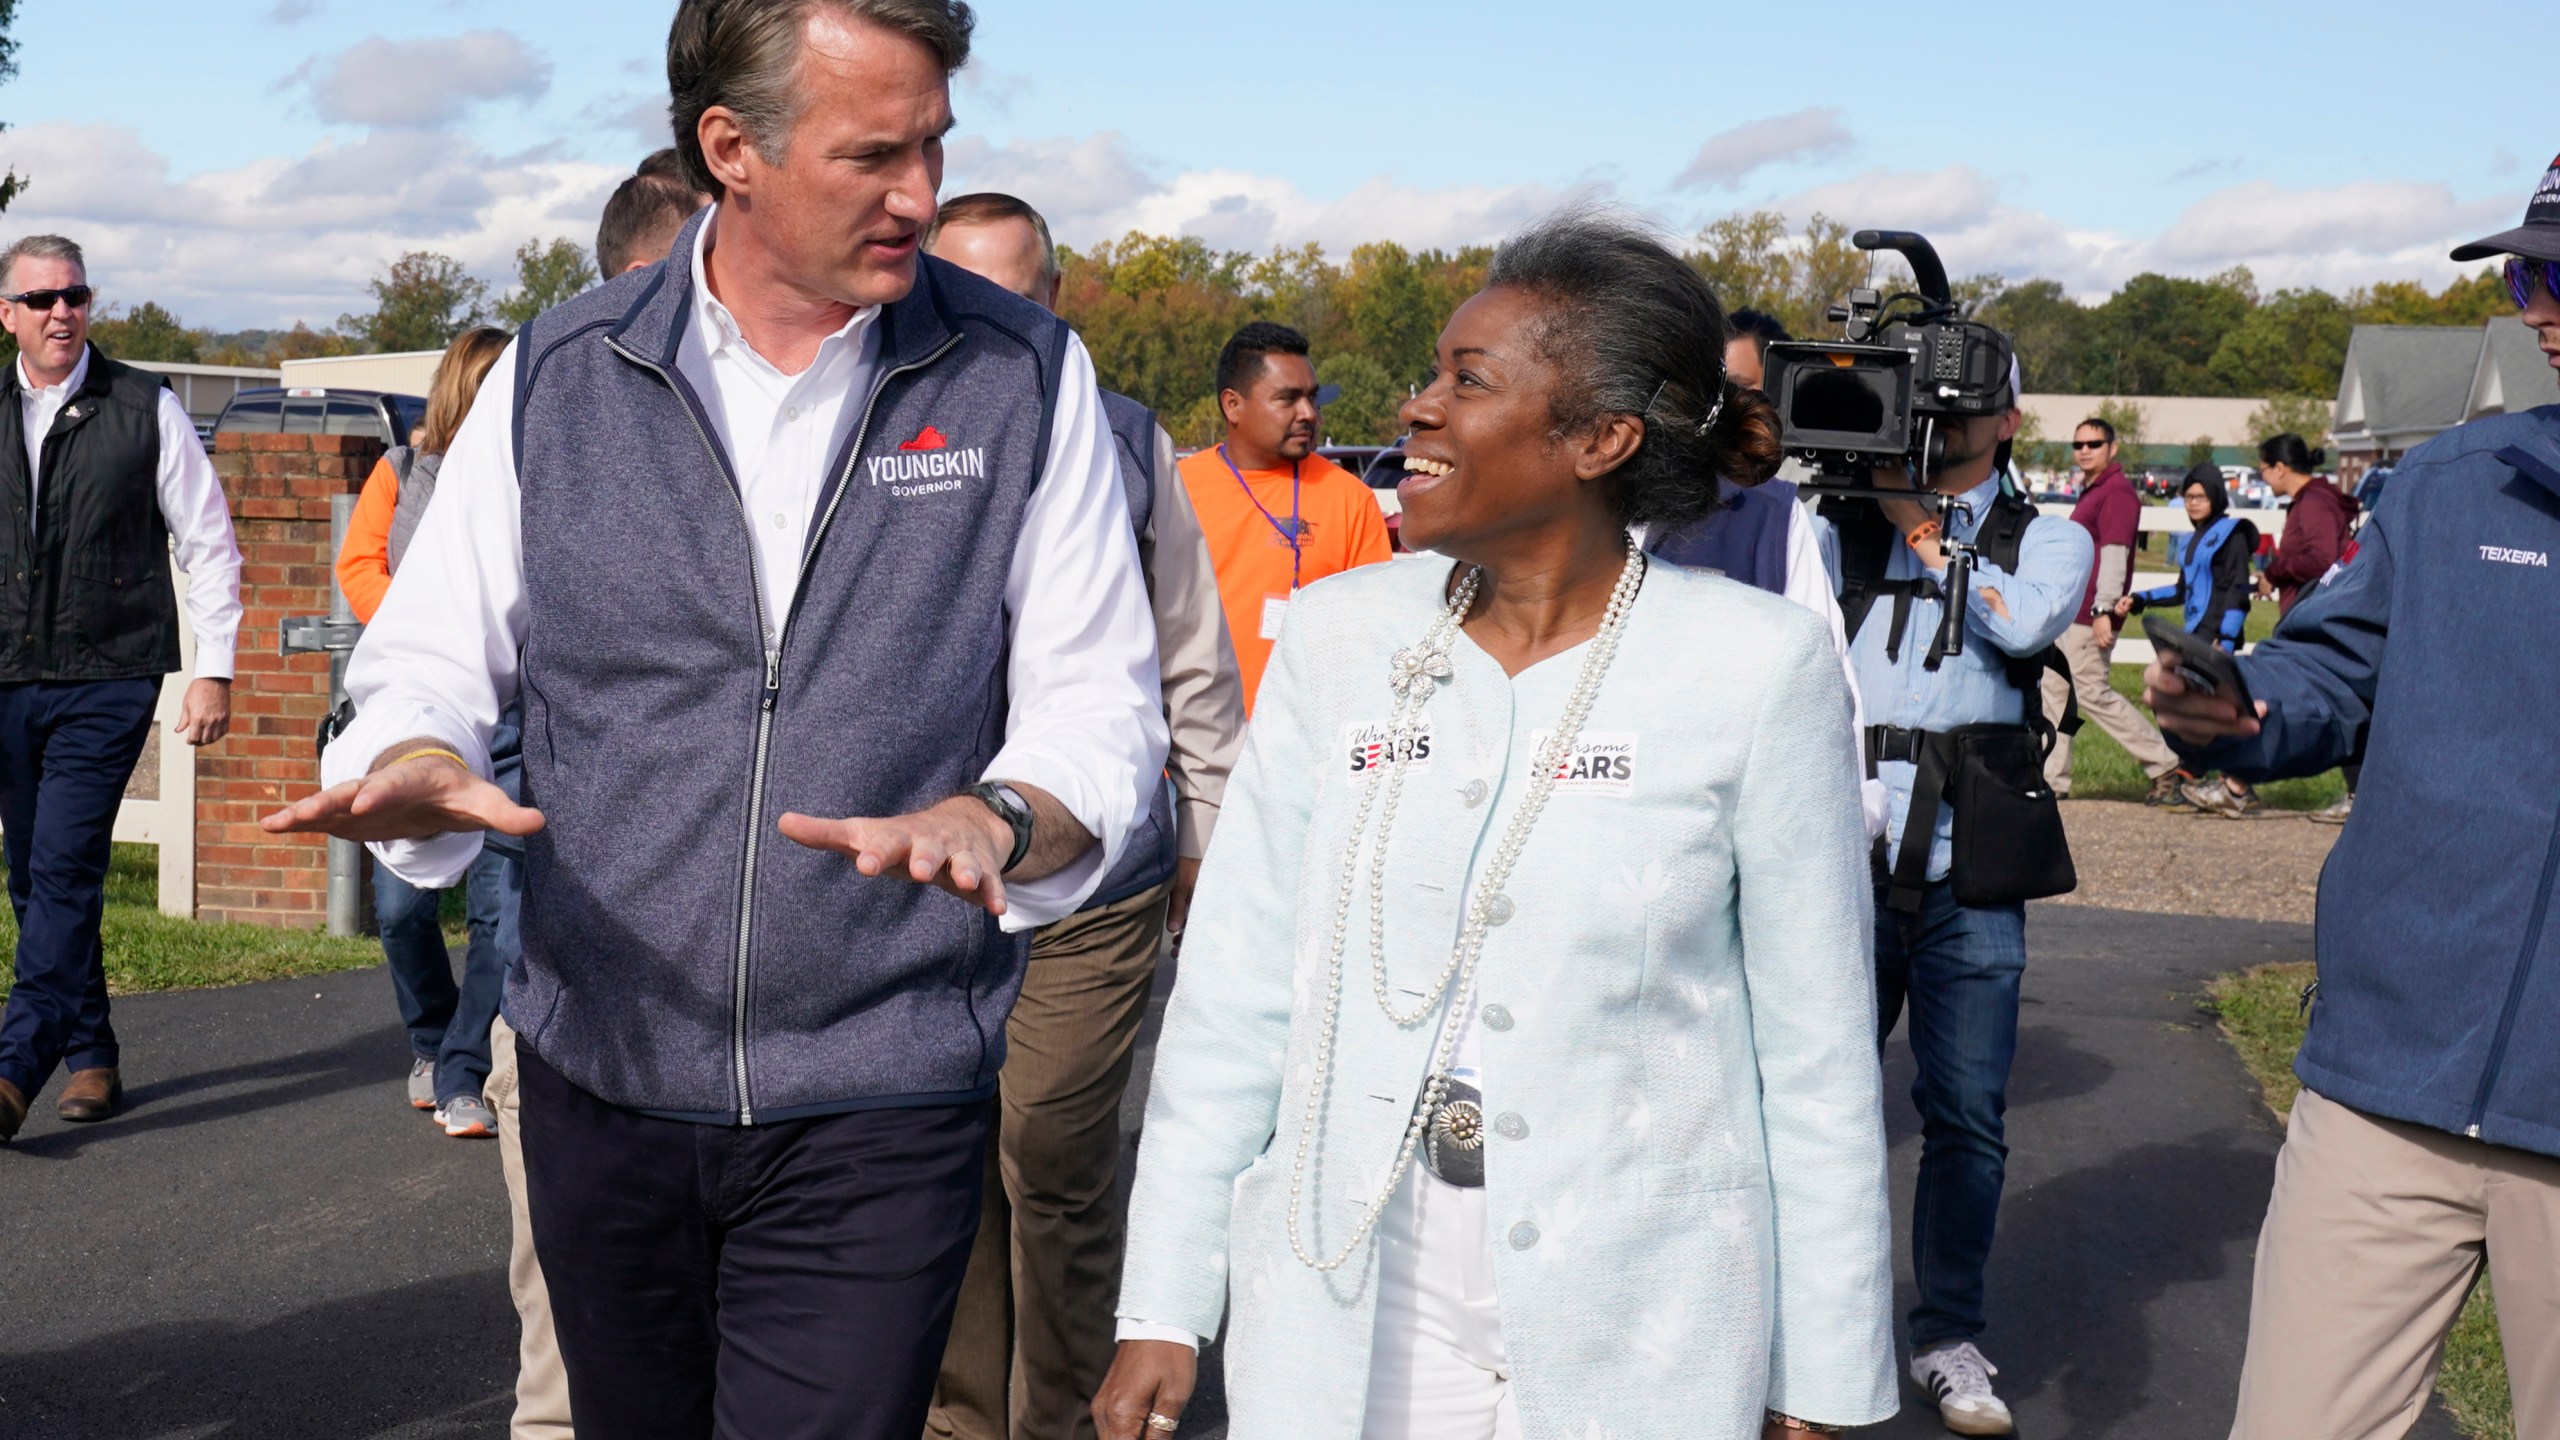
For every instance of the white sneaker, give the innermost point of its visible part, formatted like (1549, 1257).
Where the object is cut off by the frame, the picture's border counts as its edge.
(1960, 1380)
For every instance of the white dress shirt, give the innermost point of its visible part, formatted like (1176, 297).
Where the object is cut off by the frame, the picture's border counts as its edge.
(192, 505)
(1085, 720)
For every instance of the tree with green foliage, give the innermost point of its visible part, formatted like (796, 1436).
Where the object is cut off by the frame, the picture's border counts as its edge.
(421, 301)
(12, 184)
(2157, 335)
(2471, 300)
(147, 332)
(2199, 451)
(2305, 415)
(2292, 343)
(2047, 326)
(1754, 262)
(545, 276)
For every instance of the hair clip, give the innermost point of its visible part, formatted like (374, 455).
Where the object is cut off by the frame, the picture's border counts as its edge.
(1715, 412)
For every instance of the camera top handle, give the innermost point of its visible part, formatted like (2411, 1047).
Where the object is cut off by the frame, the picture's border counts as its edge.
(1927, 271)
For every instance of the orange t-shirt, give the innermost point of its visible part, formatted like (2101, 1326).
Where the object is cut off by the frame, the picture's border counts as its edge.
(1340, 527)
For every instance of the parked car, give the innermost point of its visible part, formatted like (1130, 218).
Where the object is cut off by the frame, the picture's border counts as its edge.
(312, 410)
(1354, 458)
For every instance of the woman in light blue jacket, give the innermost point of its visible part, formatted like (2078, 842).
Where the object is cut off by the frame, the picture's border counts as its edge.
(1521, 1080)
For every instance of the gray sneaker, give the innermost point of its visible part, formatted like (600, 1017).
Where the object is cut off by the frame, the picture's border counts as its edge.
(2215, 797)
(2335, 812)
(422, 1084)
(467, 1116)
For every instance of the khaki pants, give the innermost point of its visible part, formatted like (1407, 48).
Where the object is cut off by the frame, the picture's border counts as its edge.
(542, 1385)
(2099, 701)
(2374, 1236)
(1033, 1332)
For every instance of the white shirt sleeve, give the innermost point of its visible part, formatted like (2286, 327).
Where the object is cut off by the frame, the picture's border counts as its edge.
(438, 661)
(1809, 585)
(198, 515)
(1150, 1330)
(1086, 719)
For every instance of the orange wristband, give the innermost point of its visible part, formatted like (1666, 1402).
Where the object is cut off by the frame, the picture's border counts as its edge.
(1925, 530)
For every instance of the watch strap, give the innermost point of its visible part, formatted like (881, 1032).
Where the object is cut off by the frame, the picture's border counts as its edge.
(1010, 806)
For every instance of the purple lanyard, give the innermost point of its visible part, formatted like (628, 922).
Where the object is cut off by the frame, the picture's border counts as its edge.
(1288, 532)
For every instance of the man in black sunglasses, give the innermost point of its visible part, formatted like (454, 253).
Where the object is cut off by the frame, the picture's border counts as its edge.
(2423, 1154)
(99, 469)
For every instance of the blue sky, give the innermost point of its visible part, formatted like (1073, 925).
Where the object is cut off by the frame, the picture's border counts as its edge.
(253, 162)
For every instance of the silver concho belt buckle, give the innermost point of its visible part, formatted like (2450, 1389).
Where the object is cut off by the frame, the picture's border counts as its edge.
(1453, 1137)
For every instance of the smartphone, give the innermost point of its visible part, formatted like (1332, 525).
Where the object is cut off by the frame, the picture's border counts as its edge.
(2203, 666)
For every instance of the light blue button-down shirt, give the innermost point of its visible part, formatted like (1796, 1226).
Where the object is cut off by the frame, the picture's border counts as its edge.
(1971, 688)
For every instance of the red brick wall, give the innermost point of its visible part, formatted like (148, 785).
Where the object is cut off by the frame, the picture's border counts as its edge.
(279, 487)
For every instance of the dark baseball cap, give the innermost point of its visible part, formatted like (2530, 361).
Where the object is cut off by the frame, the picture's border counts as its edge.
(2538, 238)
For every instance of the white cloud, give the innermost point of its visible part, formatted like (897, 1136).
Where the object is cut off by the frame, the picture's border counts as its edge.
(1092, 189)
(430, 82)
(1721, 163)
(2337, 237)
(292, 12)
(287, 238)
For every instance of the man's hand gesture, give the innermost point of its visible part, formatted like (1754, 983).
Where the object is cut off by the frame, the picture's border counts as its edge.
(2195, 718)
(960, 845)
(407, 799)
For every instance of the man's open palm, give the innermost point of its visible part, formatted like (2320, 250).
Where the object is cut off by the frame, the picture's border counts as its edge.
(408, 801)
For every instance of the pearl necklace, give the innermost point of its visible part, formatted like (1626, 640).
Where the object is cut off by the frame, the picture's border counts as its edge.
(1413, 674)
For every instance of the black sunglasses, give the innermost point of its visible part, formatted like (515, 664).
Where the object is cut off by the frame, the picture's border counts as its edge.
(2090, 444)
(78, 295)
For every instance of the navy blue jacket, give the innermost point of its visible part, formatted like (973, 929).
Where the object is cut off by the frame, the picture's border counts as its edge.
(2439, 999)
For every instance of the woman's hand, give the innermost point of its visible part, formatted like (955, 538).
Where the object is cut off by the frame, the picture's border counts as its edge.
(1148, 1377)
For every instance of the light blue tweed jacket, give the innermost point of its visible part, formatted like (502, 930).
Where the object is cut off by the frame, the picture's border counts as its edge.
(1692, 1226)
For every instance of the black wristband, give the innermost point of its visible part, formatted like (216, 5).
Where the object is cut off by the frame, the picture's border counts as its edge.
(1013, 810)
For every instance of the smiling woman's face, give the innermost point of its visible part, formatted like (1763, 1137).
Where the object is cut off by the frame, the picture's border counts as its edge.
(1483, 462)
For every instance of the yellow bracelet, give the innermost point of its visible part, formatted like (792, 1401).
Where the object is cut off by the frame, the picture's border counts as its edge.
(430, 750)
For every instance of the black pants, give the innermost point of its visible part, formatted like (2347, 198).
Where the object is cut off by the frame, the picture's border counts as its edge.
(785, 1281)
(66, 753)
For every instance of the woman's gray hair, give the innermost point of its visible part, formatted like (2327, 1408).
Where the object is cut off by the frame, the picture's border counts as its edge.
(745, 55)
(1632, 329)
(40, 247)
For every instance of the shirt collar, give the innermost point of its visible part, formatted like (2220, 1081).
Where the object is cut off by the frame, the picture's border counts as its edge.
(1975, 504)
(70, 383)
(719, 328)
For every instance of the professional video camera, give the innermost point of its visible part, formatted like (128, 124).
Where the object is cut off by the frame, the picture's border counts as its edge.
(1881, 395)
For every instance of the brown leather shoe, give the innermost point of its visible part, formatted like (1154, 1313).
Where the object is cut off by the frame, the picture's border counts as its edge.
(91, 1095)
(13, 1111)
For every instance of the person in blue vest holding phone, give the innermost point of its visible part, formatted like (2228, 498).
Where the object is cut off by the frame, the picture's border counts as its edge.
(2212, 593)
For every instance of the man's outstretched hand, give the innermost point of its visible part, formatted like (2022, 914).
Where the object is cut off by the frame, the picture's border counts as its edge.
(410, 800)
(2192, 717)
(960, 845)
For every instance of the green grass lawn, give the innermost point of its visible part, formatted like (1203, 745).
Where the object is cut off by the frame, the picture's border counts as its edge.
(147, 950)
(2261, 1014)
(2100, 770)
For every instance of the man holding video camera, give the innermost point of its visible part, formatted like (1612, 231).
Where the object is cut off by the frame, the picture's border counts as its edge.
(2422, 1156)
(1954, 722)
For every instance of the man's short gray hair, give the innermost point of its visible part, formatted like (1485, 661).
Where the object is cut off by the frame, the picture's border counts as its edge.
(743, 54)
(40, 247)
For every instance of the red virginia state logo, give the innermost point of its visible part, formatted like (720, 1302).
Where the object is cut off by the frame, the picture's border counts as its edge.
(927, 438)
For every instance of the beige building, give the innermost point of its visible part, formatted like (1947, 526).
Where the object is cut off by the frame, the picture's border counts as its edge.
(2170, 423)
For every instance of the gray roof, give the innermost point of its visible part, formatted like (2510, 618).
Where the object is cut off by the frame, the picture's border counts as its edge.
(2406, 379)
(2513, 373)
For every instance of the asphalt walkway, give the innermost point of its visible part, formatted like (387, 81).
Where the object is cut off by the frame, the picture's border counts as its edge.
(269, 1243)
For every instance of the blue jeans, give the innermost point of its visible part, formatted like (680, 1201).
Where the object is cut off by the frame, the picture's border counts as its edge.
(1957, 967)
(66, 752)
(449, 1024)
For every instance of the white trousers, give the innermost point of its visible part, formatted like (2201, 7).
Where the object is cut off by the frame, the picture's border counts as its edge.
(1436, 1370)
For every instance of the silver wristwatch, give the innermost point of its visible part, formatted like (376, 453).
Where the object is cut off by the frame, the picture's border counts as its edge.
(1015, 811)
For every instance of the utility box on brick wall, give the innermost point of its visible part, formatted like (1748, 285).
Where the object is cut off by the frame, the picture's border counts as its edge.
(280, 487)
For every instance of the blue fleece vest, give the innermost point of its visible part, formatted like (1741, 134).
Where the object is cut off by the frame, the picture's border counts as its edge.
(1149, 859)
(680, 957)
(1744, 539)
